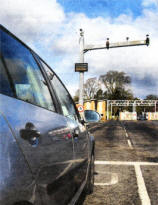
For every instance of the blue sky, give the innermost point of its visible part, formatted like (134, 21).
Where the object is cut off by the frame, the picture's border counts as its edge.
(52, 30)
(105, 8)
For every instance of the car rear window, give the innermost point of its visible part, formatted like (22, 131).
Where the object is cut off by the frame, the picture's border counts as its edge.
(21, 75)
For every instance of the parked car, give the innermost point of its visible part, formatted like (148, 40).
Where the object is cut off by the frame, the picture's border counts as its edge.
(46, 151)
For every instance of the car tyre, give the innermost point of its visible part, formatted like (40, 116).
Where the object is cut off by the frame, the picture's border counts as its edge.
(90, 181)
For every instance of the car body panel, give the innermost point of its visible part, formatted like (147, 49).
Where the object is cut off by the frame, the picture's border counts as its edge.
(16, 180)
(53, 154)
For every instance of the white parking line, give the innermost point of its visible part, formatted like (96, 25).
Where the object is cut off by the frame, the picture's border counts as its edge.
(112, 181)
(126, 163)
(128, 140)
(129, 143)
(143, 194)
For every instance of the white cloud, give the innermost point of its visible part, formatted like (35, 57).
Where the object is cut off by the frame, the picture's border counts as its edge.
(150, 2)
(31, 19)
(44, 25)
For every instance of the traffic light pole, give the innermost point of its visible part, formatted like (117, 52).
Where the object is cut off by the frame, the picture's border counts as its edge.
(84, 48)
(81, 83)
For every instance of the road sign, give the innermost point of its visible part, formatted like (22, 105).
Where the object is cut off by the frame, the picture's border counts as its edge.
(81, 67)
(80, 108)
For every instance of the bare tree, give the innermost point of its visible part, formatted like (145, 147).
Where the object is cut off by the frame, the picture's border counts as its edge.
(115, 83)
(90, 88)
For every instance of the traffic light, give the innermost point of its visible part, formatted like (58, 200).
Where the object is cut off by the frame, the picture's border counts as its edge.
(147, 40)
(107, 43)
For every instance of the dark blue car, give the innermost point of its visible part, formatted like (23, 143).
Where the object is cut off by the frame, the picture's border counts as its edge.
(46, 152)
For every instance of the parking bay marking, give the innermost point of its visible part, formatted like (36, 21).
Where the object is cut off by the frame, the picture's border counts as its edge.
(128, 140)
(113, 180)
(130, 144)
(143, 194)
(126, 163)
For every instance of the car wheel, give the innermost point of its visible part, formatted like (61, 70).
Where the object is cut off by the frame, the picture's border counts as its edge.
(90, 181)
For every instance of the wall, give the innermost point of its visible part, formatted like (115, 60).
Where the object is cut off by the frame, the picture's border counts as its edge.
(152, 115)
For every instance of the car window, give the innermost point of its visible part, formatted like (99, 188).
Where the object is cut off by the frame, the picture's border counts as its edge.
(25, 74)
(64, 97)
(5, 86)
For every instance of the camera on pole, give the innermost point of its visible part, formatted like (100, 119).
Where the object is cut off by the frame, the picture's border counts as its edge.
(147, 40)
(107, 43)
(81, 32)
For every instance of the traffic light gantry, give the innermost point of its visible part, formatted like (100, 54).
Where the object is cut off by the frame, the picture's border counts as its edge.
(107, 45)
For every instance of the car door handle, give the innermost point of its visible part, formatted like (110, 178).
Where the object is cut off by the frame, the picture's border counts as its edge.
(30, 134)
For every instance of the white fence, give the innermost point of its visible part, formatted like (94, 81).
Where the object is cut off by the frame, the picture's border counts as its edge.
(128, 116)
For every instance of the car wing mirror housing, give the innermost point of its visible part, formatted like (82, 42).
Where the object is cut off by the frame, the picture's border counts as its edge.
(91, 116)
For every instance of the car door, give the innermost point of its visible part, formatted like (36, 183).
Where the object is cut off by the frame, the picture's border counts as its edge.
(42, 134)
(15, 174)
(78, 130)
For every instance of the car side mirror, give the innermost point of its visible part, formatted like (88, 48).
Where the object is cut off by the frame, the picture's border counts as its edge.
(91, 116)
